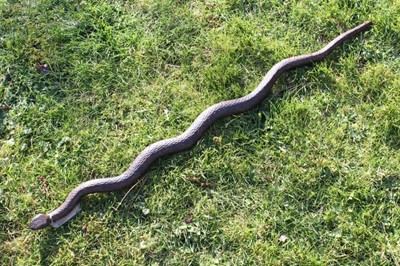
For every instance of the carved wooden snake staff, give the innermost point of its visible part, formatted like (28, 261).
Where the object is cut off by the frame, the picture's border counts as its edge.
(188, 138)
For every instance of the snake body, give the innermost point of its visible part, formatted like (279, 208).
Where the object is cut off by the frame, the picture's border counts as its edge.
(188, 138)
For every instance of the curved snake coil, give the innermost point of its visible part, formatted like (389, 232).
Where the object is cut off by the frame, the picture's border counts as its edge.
(188, 138)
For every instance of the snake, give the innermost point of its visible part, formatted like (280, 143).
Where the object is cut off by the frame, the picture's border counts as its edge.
(189, 138)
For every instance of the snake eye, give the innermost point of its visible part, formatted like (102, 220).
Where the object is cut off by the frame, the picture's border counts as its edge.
(40, 221)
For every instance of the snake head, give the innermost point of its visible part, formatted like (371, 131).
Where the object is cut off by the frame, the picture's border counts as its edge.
(40, 221)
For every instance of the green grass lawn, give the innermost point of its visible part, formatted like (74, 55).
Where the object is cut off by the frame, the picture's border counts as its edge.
(309, 177)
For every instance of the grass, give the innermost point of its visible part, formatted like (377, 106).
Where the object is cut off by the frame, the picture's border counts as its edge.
(310, 177)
